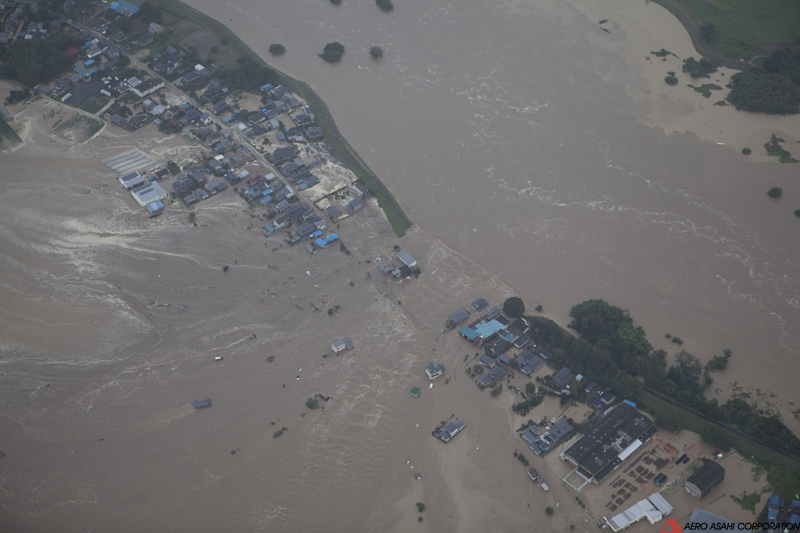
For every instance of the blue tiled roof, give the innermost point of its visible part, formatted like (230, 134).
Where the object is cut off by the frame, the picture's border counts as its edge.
(468, 332)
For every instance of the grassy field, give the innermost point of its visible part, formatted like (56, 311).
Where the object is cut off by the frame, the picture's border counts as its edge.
(8, 137)
(769, 21)
(783, 472)
(742, 25)
(732, 41)
(81, 127)
(338, 145)
(93, 105)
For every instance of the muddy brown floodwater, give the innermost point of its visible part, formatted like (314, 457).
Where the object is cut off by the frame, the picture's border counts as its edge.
(536, 154)
(553, 154)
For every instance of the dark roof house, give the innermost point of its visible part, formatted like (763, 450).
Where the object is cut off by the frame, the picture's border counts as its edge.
(459, 316)
(563, 377)
(704, 479)
(451, 430)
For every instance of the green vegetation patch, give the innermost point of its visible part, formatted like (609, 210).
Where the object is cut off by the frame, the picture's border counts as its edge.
(698, 69)
(33, 61)
(246, 74)
(770, 21)
(663, 53)
(774, 149)
(385, 5)
(376, 52)
(277, 49)
(706, 89)
(93, 105)
(760, 91)
(729, 39)
(82, 127)
(748, 502)
(333, 52)
(8, 137)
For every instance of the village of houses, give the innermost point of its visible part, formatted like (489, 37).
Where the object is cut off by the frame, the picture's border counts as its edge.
(617, 447)
(265, 145)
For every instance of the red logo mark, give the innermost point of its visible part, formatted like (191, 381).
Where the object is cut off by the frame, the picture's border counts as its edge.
(671, 526)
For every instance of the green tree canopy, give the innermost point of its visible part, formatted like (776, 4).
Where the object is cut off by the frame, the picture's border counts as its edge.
(708, 32)
(277, 49)
(124, 24)
(514, 307)
(247, 75)
(719, 437)
(760, 91)
(333, 52)
(376, 52)
(33, 61)
(775, 192)
(698, 69)
(150, 12)
(385, 5)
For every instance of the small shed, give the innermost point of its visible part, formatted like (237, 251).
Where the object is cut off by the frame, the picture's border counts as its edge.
(345, 343)
(406, 258)
(415, 391)
(205, 402)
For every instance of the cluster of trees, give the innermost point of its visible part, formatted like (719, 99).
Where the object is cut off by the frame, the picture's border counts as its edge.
(613, 351)
(246, 74)
(720, 362)
(376, 52)
(783, 62)
(708, 32)
(277, 49)
(698, 69)
(522, 408)
(385, 5)
(611, 330)
(333, 52)
(686, 382)
(150, 12)
(760, 91)
(775, 192)
(16, 96)
(671, 79)
(514, 307)
(31, 62)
